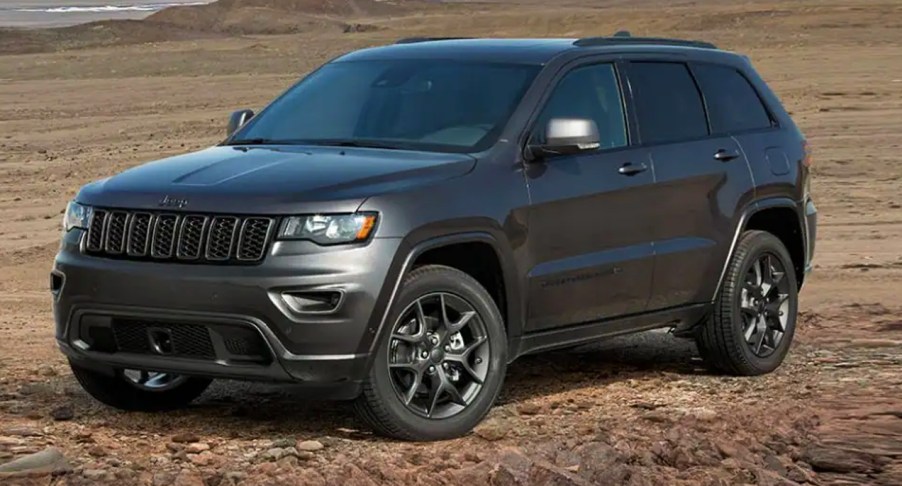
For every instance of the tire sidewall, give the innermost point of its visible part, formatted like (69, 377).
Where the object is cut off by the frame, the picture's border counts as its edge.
(452, 281)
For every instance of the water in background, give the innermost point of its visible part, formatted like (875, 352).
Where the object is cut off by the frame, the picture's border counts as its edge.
(57, 13)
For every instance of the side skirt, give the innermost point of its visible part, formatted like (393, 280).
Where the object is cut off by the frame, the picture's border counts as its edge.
(680, 318)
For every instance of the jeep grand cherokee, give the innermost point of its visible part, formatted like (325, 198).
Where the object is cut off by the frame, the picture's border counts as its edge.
(407, 220)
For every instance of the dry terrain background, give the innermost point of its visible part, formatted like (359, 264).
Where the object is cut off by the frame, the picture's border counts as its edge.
(85, 102)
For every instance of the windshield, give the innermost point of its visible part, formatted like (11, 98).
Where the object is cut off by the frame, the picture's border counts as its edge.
(433, 105)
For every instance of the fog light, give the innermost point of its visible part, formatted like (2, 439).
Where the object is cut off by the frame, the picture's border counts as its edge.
(315, 302)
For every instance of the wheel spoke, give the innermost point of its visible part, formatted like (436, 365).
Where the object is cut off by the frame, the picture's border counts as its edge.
(412, 391)
(465, 363)
(435, 393)
(445, 320)
(463, 358)
(420, 322)
(408, 338)
(761, 336)
(750, 329)
(777, 279)
(421, 316)
(461, 323)
(474, 346)
(773, 307)
(759, 278)
(415, 369)
(748, 311)
(776, 324)
(454, 395)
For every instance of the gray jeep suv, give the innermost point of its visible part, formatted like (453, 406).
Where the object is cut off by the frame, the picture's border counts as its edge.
(407, 220)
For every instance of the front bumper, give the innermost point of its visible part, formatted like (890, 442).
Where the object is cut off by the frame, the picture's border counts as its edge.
(324, 349)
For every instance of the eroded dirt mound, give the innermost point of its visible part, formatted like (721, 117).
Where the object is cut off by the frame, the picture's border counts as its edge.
(225, 17)
(275, 16)
(94, 34)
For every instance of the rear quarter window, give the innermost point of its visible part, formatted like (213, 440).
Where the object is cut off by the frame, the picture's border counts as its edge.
(733, 104)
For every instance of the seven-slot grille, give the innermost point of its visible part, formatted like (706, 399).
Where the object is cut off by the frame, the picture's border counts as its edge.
(179, 237)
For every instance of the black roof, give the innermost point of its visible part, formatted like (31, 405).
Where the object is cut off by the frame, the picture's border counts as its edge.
(525, 51)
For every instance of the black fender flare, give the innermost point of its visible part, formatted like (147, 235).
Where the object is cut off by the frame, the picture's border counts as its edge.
(403, 262)
(746, 214)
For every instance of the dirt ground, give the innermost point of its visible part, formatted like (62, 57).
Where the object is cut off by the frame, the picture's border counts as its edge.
(635, 411)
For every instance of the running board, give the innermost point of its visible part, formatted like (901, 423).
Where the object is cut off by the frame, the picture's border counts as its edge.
(679, 318)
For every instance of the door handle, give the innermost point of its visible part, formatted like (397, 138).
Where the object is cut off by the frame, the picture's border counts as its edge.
(628, 169)
(726, 156)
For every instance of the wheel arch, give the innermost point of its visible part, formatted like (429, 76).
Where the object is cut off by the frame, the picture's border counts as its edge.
(448, 250)
(780, 216)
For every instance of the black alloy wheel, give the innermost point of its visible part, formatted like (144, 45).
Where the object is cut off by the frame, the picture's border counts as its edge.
(765, 305)
(440, 360)
(438, 355)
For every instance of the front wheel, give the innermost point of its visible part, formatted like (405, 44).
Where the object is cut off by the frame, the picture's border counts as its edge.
(135, 390)
(440, 363)
(751, 327)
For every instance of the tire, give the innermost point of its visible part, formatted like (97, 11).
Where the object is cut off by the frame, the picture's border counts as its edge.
(382, 401)
(117, 391)
(723, 339)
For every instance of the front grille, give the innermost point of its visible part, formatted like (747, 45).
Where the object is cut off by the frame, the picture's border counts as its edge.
(253, 238)
(187, 340)
(198, 238)
(139, 234)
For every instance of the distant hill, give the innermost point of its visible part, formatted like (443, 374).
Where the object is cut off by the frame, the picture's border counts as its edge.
(221, 18)
(277, 16)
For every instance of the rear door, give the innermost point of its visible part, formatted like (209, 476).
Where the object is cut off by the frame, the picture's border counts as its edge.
(700, 181)
(736, 108)
(589, 238)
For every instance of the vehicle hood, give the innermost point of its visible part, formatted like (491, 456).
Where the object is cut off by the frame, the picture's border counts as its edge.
(273, 179)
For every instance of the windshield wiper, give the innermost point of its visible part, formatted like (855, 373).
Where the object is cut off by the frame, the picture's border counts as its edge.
(252, 141)
(355, 143)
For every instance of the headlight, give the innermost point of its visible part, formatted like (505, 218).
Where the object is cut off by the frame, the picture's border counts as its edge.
(328, 229)
(77, 216)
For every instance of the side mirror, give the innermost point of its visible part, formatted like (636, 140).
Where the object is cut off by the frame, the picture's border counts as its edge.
(567, 136)
(237, 120)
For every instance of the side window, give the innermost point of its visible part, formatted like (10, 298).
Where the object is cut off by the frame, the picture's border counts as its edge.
(733, 105)
(668, 104)
(588, 92)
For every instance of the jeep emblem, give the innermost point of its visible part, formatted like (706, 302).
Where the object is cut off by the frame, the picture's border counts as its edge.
(173, 202)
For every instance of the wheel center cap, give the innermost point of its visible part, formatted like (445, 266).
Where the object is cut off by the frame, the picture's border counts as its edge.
(437, 355)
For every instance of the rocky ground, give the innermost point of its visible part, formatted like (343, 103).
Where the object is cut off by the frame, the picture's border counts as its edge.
(637, 410)
(631, 411)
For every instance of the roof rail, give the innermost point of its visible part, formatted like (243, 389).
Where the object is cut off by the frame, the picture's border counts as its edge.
(415, 40)
(623, 37)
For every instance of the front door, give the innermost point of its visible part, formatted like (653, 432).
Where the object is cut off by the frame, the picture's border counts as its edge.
(589, 234)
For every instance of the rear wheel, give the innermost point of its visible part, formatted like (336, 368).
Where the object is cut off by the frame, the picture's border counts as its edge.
(754, 317)
(140, 390)
(439, 367)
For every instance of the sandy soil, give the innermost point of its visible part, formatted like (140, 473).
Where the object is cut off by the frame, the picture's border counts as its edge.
(638, 410)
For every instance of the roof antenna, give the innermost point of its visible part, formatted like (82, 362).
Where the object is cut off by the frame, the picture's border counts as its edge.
(623, 33)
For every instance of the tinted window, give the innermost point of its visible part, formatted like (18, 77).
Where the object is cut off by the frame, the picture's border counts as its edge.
(416, 104)
(588, 92)
(733, 105)
(668, 104)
